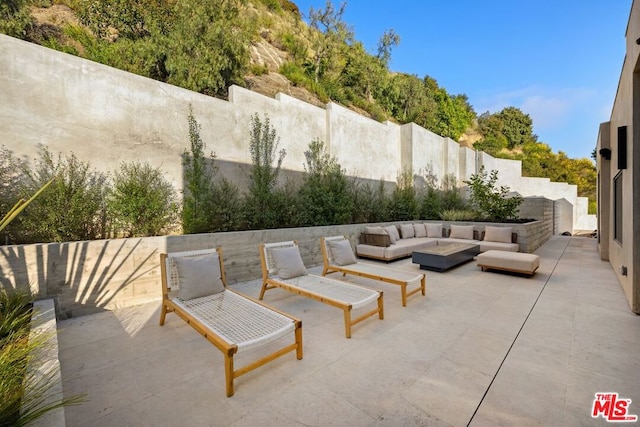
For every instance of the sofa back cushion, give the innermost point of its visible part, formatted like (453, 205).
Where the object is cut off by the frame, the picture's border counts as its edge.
(374, 230)
(392, 231)
(461, 232)
(498, 234)
(419, 230)
(434, 230)
(407, 231)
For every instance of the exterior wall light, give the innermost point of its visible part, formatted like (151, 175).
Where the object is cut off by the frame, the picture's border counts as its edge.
(605, 153)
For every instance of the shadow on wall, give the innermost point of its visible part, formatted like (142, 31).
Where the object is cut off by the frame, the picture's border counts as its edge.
(83, 277)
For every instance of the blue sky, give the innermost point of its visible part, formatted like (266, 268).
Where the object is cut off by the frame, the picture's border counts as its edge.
(557, 60)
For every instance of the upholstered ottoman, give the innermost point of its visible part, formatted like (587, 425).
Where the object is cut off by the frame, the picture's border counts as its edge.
(516, 262)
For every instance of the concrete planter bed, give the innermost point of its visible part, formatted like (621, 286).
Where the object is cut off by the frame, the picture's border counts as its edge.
(91, 276)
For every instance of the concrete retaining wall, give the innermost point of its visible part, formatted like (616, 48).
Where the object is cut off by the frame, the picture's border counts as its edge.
(86, 277)
(97, 112)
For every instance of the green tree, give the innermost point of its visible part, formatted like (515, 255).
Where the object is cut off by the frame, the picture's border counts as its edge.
(518, 127)
(330, 35)
(260, 207)
(324, 194)
(141, 201)
(488, 200)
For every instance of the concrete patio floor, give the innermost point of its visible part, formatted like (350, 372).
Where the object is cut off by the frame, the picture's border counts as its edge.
(480, 349)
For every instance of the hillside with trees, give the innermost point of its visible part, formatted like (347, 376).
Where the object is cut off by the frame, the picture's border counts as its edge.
(265, 45)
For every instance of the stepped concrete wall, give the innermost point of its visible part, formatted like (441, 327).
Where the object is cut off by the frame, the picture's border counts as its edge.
(107, 116)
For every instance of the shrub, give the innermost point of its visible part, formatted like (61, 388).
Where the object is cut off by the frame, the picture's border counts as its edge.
(209, 205)
(72, 208)
(370, 203)
(458, 215)
(199, 171)
(431, 204)
(403, 205)
(141, 201)
(489, 201)
(260, 209)
(324, 195)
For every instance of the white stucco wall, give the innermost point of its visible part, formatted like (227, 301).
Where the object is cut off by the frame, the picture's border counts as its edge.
(107, 116)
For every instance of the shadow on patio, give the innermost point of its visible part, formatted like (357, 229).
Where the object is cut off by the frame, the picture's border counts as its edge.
(481, 348)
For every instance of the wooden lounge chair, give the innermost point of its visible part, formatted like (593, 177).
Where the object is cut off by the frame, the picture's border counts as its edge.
(346, 296)
(229, 320)
(401, 278)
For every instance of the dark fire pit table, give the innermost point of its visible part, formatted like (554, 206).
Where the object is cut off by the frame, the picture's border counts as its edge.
(445, 256)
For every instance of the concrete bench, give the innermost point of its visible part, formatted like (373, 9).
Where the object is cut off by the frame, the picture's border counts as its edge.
(516, 262)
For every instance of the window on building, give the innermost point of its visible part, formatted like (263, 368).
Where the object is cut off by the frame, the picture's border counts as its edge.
(617, 207)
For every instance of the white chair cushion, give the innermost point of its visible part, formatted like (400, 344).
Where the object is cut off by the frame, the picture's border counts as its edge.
(341, 252)
(198, 276)
(288, 262)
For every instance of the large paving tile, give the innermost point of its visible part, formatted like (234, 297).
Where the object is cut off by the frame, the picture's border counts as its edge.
(518, 398)
(448, 391)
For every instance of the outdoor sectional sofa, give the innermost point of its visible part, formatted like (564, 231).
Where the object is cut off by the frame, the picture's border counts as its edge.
(399, 241)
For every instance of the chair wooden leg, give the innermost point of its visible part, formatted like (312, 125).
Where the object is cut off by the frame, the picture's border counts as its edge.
(299, 341)
(423, 284)
(347, 322)
(228, 373)
(403, 292)
(263, 290)
(381, 306)
(163, 314)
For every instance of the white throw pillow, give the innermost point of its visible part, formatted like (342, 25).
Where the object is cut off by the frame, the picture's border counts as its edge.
(407, 231)
(434, 230)
(288, 262)
(198, 276)
(341, 252)
(374, 230)
(461, 232)
(497, 234)
(392, 231)
(419, 230)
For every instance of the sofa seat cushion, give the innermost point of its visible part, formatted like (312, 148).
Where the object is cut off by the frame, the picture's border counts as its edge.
(370, 251)
(487, 246)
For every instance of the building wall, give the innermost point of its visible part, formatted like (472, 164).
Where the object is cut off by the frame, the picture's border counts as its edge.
(625, 112)
(107, 116)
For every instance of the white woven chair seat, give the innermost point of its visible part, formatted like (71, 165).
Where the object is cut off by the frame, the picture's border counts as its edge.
(237, 319)
(405, 276)
(347, 293)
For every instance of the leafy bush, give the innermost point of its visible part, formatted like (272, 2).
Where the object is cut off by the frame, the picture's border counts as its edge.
(72, 208)
(431, 204)
(490, 202)
(403, 205)
(370, 203)
(260, 209)
(224, 207)
(324, 193)
(141, 201)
